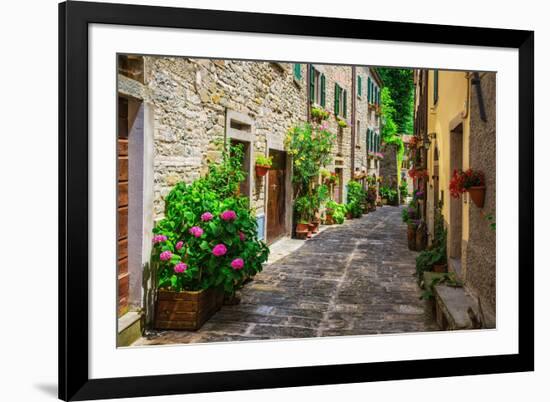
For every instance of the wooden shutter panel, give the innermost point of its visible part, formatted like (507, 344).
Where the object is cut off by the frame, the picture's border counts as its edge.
(298, 71)
(369, 139)
(359, 85)
(368, 89)
(344, 113)
(311, 83)
(323, 92)
(336, 99)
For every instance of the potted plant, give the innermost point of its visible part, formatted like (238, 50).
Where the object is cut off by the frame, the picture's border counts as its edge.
(263, 164)
(204, 247)
(471, 181)
(356, 197)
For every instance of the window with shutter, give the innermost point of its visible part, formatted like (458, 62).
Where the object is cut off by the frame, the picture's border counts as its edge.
(297, 71)
(368, 89)
(359, 86)
(336, 99)
(323, 91)
(368, 139)
(312, 83)
(344, 112)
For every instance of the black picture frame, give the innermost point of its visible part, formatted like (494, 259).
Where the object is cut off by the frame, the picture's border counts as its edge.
(74, 18)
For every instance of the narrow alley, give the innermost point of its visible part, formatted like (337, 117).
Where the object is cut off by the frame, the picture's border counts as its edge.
(351, 279)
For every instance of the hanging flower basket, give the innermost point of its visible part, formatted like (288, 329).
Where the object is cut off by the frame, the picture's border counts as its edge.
(477, 194)
(261, 171)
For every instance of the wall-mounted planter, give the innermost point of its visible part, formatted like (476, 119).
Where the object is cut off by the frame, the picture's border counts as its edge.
(261, 170)
(477, 194)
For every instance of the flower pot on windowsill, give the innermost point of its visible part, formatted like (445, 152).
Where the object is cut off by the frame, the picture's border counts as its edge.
(477, 194)
(187, 310)
(262, 170)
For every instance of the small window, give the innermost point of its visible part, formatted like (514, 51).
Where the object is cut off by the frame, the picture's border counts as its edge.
(340, 101)
(317, 87)
(359, 86)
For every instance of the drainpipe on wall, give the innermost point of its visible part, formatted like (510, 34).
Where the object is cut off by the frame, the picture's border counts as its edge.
(308, 92)
(353, 105)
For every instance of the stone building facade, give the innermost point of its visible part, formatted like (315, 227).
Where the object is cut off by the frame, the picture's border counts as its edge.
(174, 116)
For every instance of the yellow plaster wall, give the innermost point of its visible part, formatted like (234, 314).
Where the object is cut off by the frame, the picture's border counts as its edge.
(452, 106)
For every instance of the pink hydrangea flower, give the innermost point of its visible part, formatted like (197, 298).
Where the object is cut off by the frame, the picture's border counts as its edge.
(159, 238)
(229, 215)
(207, 216)
(179, 245)
(180, 267)
(219, 250)
(242, 236)
(165, 255)
(237, 264)
(196, 231)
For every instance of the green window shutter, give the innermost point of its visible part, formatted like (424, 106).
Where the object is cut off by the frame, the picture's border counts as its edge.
(298, 71)
(368, 89)
(359, 85)
(336, 99)
(377, 95)
(345, 113)
(311, 83)
(369, 139)
(323, 99)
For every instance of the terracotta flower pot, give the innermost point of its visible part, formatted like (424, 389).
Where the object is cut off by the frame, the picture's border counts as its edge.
(440, 268)
(302, 230)
(329, 220)
(261, 170)
(477, 194)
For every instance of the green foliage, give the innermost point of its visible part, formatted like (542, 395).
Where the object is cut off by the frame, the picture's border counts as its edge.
(262, 160)
(403, 189)
(388, 193)
(342, 123)
(319, 113)
(410, 213)
(310, 146)
(356, 199)
(338, 211)
(437, 254)
(185, 205)
(401, 89)
(448, 278)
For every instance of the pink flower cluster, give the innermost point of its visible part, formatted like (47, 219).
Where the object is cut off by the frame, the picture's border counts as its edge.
(228, 215)
(207, 216)
(196, 231)
(242, 236)
(179, 245)
(219, 250)
(165, 255)
(237, 264)
(180, 267)
(159, 239)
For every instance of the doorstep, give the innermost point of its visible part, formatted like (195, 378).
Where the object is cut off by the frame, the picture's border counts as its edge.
(129, 328)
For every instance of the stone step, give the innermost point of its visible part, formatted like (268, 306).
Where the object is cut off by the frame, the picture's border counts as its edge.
(454, 308)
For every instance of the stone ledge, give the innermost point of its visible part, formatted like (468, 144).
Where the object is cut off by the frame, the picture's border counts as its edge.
(129, 328)
(452, 306)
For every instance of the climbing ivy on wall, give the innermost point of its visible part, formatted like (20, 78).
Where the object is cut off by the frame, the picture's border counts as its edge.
(399, 82)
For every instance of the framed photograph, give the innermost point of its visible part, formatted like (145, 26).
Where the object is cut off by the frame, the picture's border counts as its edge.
(258, 201)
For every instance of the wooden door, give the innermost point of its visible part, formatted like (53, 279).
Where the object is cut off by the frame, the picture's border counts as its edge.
(455, 241)
(122, 206)
(338, 187)
(276, 194)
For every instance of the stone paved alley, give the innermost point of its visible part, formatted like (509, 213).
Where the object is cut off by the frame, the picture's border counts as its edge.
(351, 279)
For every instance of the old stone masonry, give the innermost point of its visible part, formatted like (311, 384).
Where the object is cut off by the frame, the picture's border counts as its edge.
(352, 279)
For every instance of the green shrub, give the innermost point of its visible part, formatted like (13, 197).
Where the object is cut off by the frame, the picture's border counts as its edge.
(262, 160)
(356, 198)
(388, 193)
(201, 220)
(338, 211)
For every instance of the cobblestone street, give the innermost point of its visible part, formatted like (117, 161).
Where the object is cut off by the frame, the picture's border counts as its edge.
(351, 279)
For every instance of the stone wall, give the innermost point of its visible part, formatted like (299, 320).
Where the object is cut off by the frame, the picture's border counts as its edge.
(191, 97)
(362, 116)
(388, 165)
(480, 262)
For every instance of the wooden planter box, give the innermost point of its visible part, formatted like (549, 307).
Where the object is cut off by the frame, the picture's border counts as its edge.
(186, 310)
